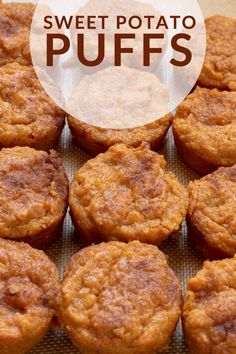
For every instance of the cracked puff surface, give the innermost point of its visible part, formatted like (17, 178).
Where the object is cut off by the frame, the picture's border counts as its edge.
(205, 129)
(125, 195)
(29, 290)
(211, 213)
(33, 195)
(28, 117)
(209, 311)
(15, 22)
(120, 298)
(219, 68)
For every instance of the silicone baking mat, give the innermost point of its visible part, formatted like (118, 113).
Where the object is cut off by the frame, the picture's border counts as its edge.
(184, 261)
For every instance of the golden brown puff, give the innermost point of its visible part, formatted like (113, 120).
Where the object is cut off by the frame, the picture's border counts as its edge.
(125, 195)
(95, 140)
(211, 213)
(219, 68)
(120, 298)
(28, 117)
(119, 98)
(15, 23)
(209, 311)
(205, 129)
(29, 296)
(33, 195)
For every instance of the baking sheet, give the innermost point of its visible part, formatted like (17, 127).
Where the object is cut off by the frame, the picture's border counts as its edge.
(184, 261)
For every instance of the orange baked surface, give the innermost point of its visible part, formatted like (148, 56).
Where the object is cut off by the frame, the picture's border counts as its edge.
(15, 22)
(120, 298)
(119, 98)
(125, 194)
(33, 198)
(219, 68)
(205, 128)
(211, 213)
(28, 117)
(96, 140)
(29, 287)
(209, 309)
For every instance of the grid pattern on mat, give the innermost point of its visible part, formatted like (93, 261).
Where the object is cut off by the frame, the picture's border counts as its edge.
(184, 261)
